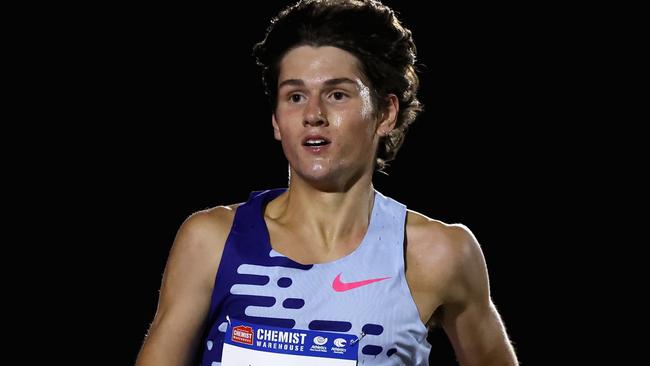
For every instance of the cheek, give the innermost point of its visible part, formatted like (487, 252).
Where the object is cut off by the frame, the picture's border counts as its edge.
(360, 138)
(336, 120)
(367, 128)
(356, 123)
(288, 140)
(366, 102)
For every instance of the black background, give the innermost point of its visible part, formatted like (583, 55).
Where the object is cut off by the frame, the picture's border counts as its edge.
(175, 120)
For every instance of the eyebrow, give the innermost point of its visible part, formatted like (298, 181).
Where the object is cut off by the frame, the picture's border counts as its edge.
(330, 82)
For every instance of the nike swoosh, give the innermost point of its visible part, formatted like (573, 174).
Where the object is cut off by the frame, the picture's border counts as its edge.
(339, 286)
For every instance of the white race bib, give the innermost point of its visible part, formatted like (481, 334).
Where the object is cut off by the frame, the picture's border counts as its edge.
(260, 345)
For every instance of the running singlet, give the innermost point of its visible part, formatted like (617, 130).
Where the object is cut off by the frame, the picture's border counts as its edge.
(362, 296)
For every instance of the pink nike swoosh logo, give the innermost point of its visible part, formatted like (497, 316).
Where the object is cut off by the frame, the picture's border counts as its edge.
(339, 286)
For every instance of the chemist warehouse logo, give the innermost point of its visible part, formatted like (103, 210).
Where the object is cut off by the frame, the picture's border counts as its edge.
(242, 334)
(270, 339)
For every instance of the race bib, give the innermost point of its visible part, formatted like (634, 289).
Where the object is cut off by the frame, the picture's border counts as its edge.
(259, 345)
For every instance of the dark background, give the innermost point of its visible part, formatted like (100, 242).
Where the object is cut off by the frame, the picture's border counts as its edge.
(176, 121)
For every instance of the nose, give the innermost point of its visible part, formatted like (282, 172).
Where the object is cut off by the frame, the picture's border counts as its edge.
(314, 114)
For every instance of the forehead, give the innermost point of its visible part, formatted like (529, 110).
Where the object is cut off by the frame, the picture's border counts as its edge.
(314, 64)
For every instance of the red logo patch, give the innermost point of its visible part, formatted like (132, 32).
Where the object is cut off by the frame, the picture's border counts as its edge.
(242, 334)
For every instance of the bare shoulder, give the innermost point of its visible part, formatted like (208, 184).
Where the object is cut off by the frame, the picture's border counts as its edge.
(440, 254)
(206, 228)
(210, 223)
(446, 271)
(437, 241)
(187, 284)
(201, 238)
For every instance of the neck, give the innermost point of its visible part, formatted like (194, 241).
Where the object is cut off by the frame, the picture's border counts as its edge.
(330, 218)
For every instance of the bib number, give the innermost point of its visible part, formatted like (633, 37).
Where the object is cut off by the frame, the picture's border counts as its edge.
(248, 344)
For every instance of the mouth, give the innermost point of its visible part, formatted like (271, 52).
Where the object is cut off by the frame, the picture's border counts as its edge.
(315, 142)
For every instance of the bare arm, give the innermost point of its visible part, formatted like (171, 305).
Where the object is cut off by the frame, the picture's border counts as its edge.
(186, 290)
(469, 317)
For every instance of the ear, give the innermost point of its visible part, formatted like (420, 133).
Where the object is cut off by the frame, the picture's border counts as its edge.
(388, 117)
(276, 129)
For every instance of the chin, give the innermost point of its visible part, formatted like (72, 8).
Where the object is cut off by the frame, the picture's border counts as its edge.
(328, 180)
(317, 175)
(322, 179)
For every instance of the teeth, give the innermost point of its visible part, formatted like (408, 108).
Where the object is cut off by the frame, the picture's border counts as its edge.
(315, 142)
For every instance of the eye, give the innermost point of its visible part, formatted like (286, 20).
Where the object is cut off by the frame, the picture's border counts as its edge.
(295, 98)
(338, 96)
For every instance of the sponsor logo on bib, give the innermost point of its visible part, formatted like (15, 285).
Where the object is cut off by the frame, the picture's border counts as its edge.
(242, 334)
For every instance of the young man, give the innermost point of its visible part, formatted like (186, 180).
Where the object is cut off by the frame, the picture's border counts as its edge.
(329, 264)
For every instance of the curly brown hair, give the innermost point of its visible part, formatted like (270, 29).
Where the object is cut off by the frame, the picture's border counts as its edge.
(369, 30)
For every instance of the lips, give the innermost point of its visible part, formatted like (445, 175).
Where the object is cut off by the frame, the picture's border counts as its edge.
(315, 141)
